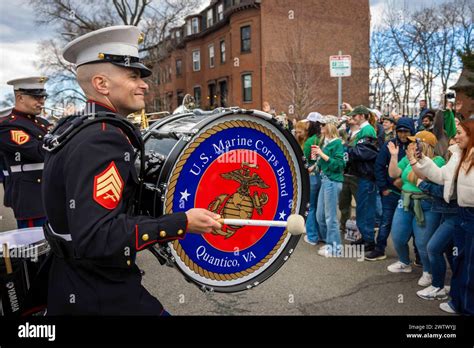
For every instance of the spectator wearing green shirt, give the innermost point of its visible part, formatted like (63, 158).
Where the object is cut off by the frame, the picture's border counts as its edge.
(313, 235)
(413, 214)
(331, 164)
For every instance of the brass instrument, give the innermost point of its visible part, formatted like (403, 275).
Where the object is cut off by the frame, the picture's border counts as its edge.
(143, 119)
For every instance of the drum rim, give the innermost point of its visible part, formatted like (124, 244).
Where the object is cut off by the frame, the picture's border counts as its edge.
(41, 244)
(290, 241)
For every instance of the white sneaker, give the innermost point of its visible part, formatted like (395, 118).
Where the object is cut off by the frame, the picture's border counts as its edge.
(425, 279)
(322, 247)
(399, 267)
(433, 293)
(307, 240)
(447, 308)
(324, 252)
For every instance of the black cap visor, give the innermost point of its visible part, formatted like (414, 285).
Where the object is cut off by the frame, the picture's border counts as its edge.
(34, 92)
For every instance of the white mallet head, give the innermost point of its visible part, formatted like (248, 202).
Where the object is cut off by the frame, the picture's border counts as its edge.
(296, 225)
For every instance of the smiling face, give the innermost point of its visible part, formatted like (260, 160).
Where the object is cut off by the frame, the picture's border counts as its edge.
(117, 87)
(461, 138)
(426, 122)
(127, 90)
(387, 125)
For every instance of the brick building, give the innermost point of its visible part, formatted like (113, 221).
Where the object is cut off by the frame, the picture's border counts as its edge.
(245, 52)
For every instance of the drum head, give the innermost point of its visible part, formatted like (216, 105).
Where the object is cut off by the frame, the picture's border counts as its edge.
(26, 242)
(239, 166)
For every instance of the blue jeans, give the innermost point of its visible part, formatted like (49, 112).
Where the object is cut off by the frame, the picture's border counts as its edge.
(31, 222)
(404, 225)
(389, 205)
(378, 208)
(366, 198)
(326, 213)
(441, 242)
(462, 281)
(312, 228)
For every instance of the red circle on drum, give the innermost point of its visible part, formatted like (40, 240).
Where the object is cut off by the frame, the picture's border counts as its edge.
(239, 184)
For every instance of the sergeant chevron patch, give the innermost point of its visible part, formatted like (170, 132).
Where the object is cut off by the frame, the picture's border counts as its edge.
(19, 137)
(108, 187)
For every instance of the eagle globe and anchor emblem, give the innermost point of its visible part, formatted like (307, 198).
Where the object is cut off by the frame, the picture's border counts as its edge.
(241, 204)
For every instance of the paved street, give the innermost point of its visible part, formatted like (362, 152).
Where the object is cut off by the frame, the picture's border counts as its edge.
(307, 284)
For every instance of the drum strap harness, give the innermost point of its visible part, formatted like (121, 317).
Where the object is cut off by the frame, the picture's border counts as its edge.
(61, 134)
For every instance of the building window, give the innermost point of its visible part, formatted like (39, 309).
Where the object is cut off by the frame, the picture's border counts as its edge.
(210, 19)
(195, 25)
(247, 87)
(220, 12)
(188, 28)
(212, 95)
(211, 56)
(245, 43)
(197, 95)
(222, 44)
(196, 60)
(179, 67)
(180, 97)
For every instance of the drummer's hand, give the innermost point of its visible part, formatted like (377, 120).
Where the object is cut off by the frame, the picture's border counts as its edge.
(202, 221)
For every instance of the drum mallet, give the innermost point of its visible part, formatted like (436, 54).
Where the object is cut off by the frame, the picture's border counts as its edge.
(6, 256)
(295, 223)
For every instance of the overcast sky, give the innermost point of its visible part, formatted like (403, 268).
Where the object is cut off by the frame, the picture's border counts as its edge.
(19, 35)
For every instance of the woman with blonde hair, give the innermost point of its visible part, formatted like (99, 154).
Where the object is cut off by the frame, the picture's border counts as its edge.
(331, 165)
(301, 132)
(414, 213)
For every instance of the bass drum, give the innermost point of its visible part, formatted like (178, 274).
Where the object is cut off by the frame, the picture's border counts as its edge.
(240, 164)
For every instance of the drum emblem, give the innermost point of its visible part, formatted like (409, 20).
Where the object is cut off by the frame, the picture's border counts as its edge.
(240, 204)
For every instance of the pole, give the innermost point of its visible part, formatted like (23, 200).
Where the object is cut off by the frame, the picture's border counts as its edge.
(339, 93)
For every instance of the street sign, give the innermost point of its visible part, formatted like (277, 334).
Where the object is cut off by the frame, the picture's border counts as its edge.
(340, 66)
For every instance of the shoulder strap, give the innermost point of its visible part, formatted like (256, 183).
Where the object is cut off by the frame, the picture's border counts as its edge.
(59, 137)
(63, 132)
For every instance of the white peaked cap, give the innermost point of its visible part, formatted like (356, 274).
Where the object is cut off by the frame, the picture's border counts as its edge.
(27, 83)
(116, 45)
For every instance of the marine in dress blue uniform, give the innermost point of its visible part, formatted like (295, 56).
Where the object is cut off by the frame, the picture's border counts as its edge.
(91, 181)
(21, 140)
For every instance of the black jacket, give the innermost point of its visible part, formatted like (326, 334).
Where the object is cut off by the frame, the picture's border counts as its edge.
(89, 185)
(361, 158)
(21, 141)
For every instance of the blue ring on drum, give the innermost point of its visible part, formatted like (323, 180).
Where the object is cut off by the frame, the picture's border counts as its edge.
(194, 244)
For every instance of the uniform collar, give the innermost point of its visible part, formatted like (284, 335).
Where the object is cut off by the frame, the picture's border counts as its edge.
(98, 106)
(15, 112)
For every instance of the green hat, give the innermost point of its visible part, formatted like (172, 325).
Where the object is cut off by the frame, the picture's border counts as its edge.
(359, 110)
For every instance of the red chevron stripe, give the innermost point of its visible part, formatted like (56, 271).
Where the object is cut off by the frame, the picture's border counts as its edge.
(108, 187)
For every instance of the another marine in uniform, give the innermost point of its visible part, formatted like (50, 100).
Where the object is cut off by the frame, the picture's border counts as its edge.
(21, 141)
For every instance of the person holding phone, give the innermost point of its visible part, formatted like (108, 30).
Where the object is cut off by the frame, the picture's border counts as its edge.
(457, 177)
(390, 190)
(414, 214)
